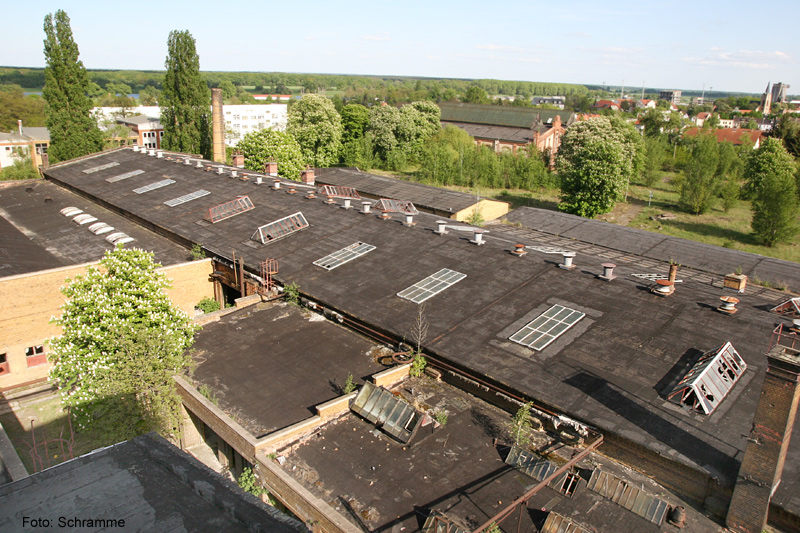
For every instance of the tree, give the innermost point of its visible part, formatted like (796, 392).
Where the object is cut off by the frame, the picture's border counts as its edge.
(317, 127)
(700, 181)
(355, 118)
(14, 105)
(595, 162)
(787, 129)
(118, 89)
(22, 169)
(228, 89)
(769, 172)
(398, 134)
(263, 146)
(185, 99)
(73, 131)
(149, 95)
(476, 95)
(122, 342)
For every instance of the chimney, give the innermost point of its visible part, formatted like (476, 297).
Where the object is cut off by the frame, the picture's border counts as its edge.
(238, 160)
(19, 126)
(673, 272)
(307, 176)
(271, 168)
(764, 456)
(217, 125)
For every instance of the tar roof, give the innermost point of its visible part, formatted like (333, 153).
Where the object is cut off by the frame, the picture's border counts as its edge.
(146, 482)
(420, 195)
(519, 117)
(611, 369)
(502, 133)
(36, 236)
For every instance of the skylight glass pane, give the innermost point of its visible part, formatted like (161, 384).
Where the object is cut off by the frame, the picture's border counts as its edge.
(432, 285)
(186, 198)
(99, 168)
(280, 228)
(153, 186)
(547, 327)
(124, 176)
(228, 209)
(336, 259)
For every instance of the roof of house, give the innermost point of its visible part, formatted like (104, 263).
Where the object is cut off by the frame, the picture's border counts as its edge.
(612, 369)
(732, 135)
(36, 133)
(34, 235)
(426, 196)
(138, 119)
(494, 115)
(145, 482)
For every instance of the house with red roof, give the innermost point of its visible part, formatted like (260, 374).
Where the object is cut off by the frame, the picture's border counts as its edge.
(735, 136)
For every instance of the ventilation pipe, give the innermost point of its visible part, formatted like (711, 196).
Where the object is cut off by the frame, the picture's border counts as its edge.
(728, 305)
(673, 272)
(187, 162)
(608, 271)
(291, 190)
(160, 154)
(477, 237)
(346, 203)
(567, 257)
(311, 195)
(135, 147)
(151, 152)
(330, 200)
(519, 250)
(365, 207)
(409, 221)
(441, 227)
(199, 164)
(220, 171)
(259, 181)
(217, 125)
(234, 173)
(385, 215)
(276, 185)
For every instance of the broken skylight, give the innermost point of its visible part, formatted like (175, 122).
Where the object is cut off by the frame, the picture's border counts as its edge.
(390, 413)
(280, 228)
(628, 496)
(540, 469)
(710, 379)
(228, 209)
(547, 327)
(346, 254)
(432, 285)
(335, 191)
(790, 307)
(395, 206)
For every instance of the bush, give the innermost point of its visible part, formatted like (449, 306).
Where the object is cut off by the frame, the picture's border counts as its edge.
(208, 305)
(292, 292)
(418, 366)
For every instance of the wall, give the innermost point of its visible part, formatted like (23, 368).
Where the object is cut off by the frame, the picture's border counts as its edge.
(30, 300)
(489, 209)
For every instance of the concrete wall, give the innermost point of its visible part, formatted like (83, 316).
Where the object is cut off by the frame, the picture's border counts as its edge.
(30, 300)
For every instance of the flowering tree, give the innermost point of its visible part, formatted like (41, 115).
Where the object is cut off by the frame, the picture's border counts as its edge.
(317, 126)
(263, 146)
(122, 342)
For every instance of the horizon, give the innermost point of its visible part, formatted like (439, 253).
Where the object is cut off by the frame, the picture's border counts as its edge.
(691, 47)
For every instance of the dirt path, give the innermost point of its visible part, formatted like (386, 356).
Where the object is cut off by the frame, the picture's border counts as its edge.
(622, 214)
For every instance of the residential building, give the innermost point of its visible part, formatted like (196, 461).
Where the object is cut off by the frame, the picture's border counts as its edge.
(246, 118)
(273, 97)
(672, 96)
(550, 100)
(148, 130)
(23, 142)
(645, 104)
(607, 104)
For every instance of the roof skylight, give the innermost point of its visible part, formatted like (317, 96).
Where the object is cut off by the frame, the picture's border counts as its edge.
(153, 186)
(628, 496)
(790, 307)
(393, 415)
(357, 249)
(395, 206)
(432, 285)
(186, 198)
(335, 191)
(124, 176)
(710, 379)
(228, 209)
(547, 327)
(280, 228)
(92, 170)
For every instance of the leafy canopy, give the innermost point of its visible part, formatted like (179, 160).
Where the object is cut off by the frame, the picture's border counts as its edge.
(261, 147)
(317, 127)
(73, 132)
(122, 342)
(770, 179)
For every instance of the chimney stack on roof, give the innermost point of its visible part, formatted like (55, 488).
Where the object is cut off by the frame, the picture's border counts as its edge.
(238, 160)
(217, 125)
(307, 176)
(19, 125)
(271, 168)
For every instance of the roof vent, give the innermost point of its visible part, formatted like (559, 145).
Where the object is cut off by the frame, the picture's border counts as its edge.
(276, 184)
(409, 220)
(259, 180)
(477, 237)
(311, 195)
(608, 271)
(234, 173)
(346, 203)
(728, 305)
(160, 154)
(663, 287)
(151, 153)
(330, 200)
(441, 227)
(568, 257)
(187, 161)
(220, 171)
(519, 250)
(135, 147)
(384, 215)
(365, 207)
(199, 164)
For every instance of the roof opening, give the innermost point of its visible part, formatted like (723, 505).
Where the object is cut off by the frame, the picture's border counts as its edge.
(790, 307)
(432, 285)
(345, 255)
(393, 415)
(395, 206)
(153, 186)
(547, 327)
(280, 228)
(186, 198)
(228, 209)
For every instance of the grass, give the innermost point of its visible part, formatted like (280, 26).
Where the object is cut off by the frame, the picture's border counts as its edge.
(51, 421)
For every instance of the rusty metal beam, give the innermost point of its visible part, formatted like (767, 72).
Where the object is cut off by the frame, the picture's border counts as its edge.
(502, 515)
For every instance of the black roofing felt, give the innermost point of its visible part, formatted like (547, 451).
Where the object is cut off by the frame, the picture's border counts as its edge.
(610, 369)
(420, 195)
(36, 236)
(500, 133)
(148, 483)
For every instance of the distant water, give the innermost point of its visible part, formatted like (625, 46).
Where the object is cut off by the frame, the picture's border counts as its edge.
(39, 93)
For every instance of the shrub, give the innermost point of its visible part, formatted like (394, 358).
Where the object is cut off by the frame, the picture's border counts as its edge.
(208, 305)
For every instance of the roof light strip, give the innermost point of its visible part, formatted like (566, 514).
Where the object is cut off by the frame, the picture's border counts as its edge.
(153, 186)
(124, 176)
(432, 285)
(99, 168)
(547, 327)
(345, 255)
(228, 209)
(186, 198)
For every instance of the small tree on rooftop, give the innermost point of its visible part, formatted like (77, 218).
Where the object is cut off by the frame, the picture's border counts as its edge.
(521, 424)
(121, 344)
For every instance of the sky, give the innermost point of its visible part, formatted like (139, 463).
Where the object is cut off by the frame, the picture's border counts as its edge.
(680, 44)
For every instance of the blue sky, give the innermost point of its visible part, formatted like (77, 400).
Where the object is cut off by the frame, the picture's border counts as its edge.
(732, 46)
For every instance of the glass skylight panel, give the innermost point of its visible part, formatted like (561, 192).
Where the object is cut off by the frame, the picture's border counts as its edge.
(329, 262)
(280, 228)
(99, 168)
(432, 285)
(124, 176)
(186, 198)
(153, 186)
(547, 327)
(710, 379)
(228, 209)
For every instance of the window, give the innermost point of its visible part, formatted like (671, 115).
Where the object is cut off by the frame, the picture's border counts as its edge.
(35, 355)
(235, 117)
(547, 327)
(187, 198)
(329, 262)
(432, 285)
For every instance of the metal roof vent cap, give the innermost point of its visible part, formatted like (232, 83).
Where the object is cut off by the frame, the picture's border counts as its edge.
(151, 152)
(568, 257)
(276, 184)
(292, 190)
(234, 173)
(728, 305)
(441, 227)
(663, 287)
(220, 171)
(311, 195)
(187, 161)
(346, 203)
(259, 180)
(608, 271)
(330, 200)
(160, 154)
(477, 237)
(519, 250)
(409, 221)
(365, 207)
(384, 215)
(135, 147)
(199, 164)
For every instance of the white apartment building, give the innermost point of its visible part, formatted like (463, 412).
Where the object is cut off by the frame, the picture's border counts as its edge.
(245, 118)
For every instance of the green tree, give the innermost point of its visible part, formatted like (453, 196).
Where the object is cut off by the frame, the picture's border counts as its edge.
(317, 126)
(355, 118)
(121, 344)
(73, 131)
(263, 146)
(22, 169)
(769, 172)
(149, 95)
(521, 426)
(787, 129)
(399, 134)
(476, 95)
(118, 89)
(14, 105)
(185, 99)
(595, 163)
(228, 89)
(700, 181)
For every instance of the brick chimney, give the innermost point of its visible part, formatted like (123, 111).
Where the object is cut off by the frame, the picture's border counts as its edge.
(307, 176)
(217, 125)
(762, 465)
(238, 160)
(271, 168)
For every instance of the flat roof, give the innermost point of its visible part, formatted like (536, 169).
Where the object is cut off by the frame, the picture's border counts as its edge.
(272, 363)
(612, 369)
(500, 133)
(35, 236)
(148, 483)
(381, 485)
(425, 196)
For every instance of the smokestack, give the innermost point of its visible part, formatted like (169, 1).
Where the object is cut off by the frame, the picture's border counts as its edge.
(19, 126)
(218, 125)
(673, 272)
